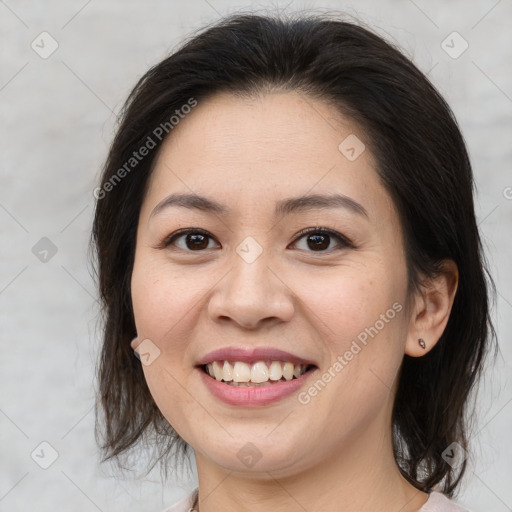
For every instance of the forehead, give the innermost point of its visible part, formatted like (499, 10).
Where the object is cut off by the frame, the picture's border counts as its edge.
(256, 150)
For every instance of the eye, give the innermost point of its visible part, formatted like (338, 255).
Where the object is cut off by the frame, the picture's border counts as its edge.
(195, 239)
(319, 239)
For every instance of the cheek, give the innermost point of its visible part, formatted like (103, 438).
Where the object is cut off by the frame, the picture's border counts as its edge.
(159, 300)
(163, 309)
(160, 304)
(360, 313)
(362, 328)
(347, 301)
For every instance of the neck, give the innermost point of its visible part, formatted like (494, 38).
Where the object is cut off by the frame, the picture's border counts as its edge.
(361, 477)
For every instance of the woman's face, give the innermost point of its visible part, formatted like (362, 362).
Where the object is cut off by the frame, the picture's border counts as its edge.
(253, 283)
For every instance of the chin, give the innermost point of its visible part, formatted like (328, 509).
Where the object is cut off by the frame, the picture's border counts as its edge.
(249, 454)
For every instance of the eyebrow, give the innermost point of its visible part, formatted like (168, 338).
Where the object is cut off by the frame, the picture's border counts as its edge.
(283, 207)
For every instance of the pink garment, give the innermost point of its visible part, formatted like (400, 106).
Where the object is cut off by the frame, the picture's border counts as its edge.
(437, 502)
(184, 505)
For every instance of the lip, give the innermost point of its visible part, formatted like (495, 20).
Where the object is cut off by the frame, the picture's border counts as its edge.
(254, 396)
(252, 355)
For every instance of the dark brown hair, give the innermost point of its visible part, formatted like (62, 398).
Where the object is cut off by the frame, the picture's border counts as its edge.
(421, 159)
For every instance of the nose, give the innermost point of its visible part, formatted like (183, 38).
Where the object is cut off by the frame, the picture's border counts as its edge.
(252, 294)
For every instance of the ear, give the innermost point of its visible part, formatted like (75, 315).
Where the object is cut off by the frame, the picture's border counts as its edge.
(431, 310)
(135, 343)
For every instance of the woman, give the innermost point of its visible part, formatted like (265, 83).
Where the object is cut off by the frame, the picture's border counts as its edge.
(286, 238)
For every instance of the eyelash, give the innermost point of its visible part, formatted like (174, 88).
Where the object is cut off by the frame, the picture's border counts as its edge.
(343, 240)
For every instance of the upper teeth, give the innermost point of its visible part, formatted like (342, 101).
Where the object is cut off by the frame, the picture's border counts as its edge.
(257, 372)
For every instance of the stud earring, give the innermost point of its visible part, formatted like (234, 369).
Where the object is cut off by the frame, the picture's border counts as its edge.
(422, 343)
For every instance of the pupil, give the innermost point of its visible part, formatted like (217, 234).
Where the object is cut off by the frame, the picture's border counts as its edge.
(318, 241)
(197, 238)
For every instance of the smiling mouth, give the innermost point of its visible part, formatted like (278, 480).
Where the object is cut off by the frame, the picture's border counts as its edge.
(260, 373)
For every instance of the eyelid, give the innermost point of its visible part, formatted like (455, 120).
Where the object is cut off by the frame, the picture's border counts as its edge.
(326, 231)
(181, 232)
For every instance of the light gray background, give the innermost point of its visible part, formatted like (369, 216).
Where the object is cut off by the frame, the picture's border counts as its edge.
(58, 118)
